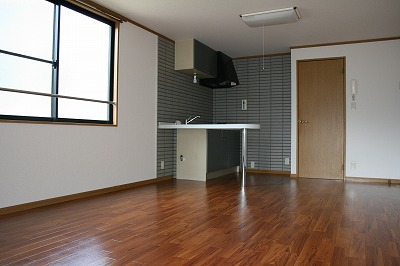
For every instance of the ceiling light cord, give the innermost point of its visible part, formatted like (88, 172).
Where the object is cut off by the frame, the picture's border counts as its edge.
(263, 64)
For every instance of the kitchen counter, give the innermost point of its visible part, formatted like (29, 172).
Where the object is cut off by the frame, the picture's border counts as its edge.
(163, 125)
(198, 132)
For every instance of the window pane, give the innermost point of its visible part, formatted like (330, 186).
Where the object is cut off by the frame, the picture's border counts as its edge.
(84, 56)
(24, 74)
(17, 104)
(84, 60)
(26, 27)
(82, 110)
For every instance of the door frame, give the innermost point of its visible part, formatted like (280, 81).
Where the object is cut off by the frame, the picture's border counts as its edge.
(344, 111)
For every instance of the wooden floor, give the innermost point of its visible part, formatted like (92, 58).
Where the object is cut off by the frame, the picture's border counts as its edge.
(274, 220)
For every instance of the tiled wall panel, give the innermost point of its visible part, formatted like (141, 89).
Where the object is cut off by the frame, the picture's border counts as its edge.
(178, 98)
(265, 84)
(268, 95)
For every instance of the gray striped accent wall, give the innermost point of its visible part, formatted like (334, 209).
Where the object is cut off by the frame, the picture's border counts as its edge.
(268, 95)
(178, 98)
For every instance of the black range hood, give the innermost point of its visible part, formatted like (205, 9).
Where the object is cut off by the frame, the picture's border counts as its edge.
(226, 74)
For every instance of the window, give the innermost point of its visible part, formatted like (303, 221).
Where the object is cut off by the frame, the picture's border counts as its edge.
(56, 63)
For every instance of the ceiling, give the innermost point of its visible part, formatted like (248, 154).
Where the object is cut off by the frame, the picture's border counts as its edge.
(217, 24)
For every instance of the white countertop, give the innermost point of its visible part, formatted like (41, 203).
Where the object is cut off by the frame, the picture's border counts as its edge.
(164, 125)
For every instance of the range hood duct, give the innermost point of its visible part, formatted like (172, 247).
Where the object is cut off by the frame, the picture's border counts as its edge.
(226, 74)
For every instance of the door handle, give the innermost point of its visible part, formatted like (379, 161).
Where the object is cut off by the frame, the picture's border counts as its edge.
(303, 121)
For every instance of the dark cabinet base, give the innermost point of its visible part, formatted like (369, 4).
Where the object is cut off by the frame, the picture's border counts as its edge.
(223, 149)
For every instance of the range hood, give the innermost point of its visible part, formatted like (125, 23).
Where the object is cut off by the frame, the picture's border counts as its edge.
(226, 74)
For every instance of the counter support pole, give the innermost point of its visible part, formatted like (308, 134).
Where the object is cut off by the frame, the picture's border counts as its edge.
(244, 156)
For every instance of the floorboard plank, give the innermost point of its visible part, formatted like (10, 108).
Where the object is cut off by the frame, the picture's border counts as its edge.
(274, 220)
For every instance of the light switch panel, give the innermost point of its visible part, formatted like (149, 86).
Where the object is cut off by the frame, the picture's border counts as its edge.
(244, 105)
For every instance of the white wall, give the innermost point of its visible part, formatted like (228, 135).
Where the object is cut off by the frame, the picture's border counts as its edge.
(373, 130)
(41, 161)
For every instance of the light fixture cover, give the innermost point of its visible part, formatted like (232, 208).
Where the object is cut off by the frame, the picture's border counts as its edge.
(271, 17)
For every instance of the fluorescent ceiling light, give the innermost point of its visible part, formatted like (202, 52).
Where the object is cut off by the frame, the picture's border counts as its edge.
(271, 17)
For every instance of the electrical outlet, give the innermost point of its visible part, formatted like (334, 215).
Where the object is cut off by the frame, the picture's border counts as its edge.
(353, 165)
(287, 161)
(162, 165)
(353, 106)
(252, 164)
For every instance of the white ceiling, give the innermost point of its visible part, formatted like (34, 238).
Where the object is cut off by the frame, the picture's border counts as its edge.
(217, 24)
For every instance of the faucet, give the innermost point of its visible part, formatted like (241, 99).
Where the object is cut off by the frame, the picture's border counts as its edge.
(191, 118)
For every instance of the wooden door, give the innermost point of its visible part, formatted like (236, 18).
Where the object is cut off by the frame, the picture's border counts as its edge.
(321, 118)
